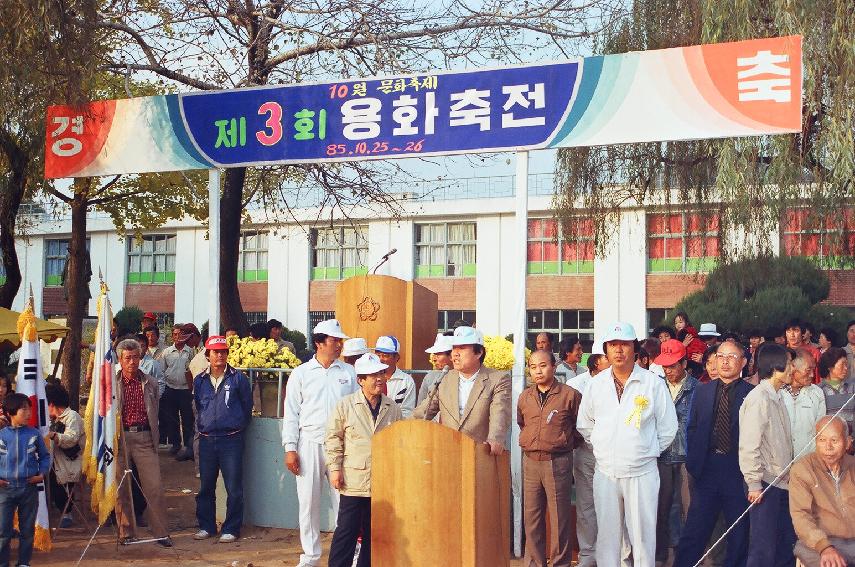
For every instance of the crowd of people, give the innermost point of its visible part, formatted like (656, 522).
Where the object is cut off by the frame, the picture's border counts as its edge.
(688, 443)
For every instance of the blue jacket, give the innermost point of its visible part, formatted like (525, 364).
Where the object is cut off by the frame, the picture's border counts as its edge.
(23, 454)
(700, 426)
(676, 452)
(225, 410)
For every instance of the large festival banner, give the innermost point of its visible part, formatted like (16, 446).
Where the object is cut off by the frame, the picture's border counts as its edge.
(743, 88)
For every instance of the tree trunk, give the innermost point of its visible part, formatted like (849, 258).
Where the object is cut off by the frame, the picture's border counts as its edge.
(10, 201)
(231, 212)
(77, 285)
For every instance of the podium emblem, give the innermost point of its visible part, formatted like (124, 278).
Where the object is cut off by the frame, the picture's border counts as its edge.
(368, 309)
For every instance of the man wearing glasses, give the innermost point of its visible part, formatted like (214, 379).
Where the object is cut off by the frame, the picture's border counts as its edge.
(712, 459)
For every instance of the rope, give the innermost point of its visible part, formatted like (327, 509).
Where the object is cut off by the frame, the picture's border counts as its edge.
(98, 525)
(777, 478)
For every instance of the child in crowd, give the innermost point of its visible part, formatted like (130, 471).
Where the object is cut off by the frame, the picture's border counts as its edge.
(24, 463)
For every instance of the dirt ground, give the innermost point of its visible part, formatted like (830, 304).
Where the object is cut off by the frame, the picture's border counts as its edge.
(256, 547)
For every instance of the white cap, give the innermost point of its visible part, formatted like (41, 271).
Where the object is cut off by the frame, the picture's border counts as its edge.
(440, 344)
(708, 330)
(467, 336)
(330, 327)
(620, 331)
(353, 347)
(387, 344)
(368, 363)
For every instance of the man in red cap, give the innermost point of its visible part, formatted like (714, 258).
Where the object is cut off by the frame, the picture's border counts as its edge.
(148, 320)
(673, 482)
(223, 399)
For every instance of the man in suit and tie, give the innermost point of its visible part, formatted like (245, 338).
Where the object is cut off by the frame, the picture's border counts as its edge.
(472, 398)
(712, 458)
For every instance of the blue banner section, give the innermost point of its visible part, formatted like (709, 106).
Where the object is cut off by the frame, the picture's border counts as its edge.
(418, 114)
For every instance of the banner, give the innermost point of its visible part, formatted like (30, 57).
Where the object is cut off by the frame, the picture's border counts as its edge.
(31, 382)
(743, 88)
(102, 418)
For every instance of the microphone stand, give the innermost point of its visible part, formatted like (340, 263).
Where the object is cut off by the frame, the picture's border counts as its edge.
(435, 389)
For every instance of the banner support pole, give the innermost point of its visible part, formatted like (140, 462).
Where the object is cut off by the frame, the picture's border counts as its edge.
(214, 251)
(518, 375)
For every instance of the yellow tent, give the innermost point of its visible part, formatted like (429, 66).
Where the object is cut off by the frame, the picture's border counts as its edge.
(48, 331)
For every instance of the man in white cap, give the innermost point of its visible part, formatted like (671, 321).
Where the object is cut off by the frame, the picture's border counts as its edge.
(709, 334)
(628, 417)
(353, 349)
(441, 351)
(314, 388)
(459, 392)
(399, 385)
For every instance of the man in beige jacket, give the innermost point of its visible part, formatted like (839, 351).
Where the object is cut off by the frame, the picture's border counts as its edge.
(822, 498)
(472, 398)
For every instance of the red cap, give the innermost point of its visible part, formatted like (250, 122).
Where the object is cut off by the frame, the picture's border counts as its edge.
(149, 315)
(671, 352)
(217, 342)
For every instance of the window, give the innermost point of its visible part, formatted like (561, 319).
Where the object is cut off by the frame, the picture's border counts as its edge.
(552, 253)
(831, 242)
(445, 250)
(316, 317)
(253, 317)
(339, 253)
(447, 319)
(682, 242)
(151, 259)
(252, 264)
(55, 255)
(561, 323)
(656, 317)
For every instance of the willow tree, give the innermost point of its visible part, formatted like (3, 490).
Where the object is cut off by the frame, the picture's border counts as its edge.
(219, 44)
(744, 185)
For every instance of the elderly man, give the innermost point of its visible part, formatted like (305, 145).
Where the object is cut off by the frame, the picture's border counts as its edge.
(805, 402)
(399, 385)
(313, 390)
(628, 417)
(712, 459)
(472, 398)
(223, 401)
(822, 498)
(570, 353)
(138, 405)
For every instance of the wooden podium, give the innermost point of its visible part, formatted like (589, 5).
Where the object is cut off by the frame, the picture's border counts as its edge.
(369, 306)
(437, 498)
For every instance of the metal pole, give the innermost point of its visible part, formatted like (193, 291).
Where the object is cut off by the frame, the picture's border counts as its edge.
(213, 252)
(519, 247)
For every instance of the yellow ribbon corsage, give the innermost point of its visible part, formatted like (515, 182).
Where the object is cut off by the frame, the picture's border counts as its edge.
(634, 418)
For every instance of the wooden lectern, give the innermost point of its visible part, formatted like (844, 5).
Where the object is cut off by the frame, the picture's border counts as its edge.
(369, 306)
(437, 499)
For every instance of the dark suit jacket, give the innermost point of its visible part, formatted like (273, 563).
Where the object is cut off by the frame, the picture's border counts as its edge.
(487, 415)
(700, 425)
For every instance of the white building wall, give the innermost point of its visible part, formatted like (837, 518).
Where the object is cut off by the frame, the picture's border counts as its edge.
(31, 262)
(296, 274)
(620, 290)
(488, 287)
(107, 253)
(277, 277)
(186, 288)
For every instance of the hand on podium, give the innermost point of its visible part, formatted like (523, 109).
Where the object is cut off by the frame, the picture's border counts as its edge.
(292, 462)
(495, 448)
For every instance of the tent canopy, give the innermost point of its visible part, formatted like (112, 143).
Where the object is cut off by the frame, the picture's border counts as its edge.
(48, 331)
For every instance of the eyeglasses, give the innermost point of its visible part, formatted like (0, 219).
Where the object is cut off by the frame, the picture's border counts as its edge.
(732, 356)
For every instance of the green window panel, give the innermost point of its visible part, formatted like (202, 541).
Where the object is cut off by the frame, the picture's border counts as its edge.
(355, 271)
(422, 271)
(252, 275)
(318, 273)
(664, 265)
(551, 268)
(578, 267)
(534, 268)
(469, 270)
(437, 270)
(53, 280)
(700, 264)
(151, 277)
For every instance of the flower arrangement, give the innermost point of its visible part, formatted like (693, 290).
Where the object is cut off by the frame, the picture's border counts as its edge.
(500, 353)
(249, 353)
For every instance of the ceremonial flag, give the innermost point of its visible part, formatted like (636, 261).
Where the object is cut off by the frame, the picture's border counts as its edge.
(102, 418)
(31, 383)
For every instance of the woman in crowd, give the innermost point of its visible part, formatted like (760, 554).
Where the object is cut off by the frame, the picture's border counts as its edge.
(710, 370)
(827, 338)
(348, 446)
(833, 368)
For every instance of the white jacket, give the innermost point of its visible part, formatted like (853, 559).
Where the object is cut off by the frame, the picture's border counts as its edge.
(623, 450)
(804, 411)
(311, 395)
(66, 469)
(402, 389)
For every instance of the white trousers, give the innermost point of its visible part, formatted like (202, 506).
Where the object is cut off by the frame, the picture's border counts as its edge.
(312, 479)
(626, 505)
(586, 516)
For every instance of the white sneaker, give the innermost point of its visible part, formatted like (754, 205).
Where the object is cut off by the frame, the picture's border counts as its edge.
(228, 538)
(201, 534)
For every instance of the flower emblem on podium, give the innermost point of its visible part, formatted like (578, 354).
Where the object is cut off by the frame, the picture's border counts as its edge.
(641, 403)
(368, 309)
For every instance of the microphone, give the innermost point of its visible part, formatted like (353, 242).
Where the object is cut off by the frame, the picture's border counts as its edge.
(435, 388)
(384, 259)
